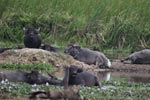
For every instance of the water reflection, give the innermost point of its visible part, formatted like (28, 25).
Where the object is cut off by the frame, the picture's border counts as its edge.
(103, 76)
(106, 76)
(131, 77)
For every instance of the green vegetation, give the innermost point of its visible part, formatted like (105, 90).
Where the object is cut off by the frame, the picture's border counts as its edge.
(117, 91)
(27, 67)
(100, 24)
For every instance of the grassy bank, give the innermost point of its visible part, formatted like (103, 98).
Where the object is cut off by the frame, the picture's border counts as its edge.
(109, 91)
(96, 24)
(27, 67)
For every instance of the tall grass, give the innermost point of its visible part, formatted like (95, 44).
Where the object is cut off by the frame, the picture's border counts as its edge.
(93, 23)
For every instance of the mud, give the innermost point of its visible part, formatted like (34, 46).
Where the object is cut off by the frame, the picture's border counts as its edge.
(137, 68)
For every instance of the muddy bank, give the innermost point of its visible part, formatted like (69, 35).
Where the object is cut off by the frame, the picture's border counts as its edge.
(140, 68)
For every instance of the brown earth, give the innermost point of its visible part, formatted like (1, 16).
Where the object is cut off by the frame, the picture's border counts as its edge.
(138, 68)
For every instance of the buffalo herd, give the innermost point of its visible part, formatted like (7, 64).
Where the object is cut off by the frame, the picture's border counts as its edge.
(73, 74)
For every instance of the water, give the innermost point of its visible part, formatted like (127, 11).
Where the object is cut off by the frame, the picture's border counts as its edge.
(122, 76)
(108, 76)
(131, 77)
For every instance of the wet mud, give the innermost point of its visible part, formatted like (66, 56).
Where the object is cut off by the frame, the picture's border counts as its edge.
(125, 67)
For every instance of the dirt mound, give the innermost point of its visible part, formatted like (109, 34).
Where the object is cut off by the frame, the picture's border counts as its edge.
(59, 59)
(30, 56)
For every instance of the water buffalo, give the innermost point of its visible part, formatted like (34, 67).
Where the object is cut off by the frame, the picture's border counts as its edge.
(140, 57)
(33, 77)
(88, 56)
(4, 49)
(7, 48)
(32, 38)
(49, 47)
(79, 77)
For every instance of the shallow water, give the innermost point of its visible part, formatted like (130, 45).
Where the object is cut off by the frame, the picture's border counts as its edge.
(109, 76)
(122, 76)
(131, 77)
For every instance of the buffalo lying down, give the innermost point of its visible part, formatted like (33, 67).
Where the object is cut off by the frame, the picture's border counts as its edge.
(140, 57)
(76, 76)
(5, 49)
(88, 56)
(34, 77)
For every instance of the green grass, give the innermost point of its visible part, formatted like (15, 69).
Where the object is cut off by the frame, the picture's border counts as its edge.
(120, 91)
(27, 67)
(100, 23)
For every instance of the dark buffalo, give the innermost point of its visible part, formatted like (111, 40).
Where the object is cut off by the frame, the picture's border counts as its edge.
(79, 77)
(32, 38)
(34, 77)
(140, 57)
(6, 48)
(49, 47)
(88, 56)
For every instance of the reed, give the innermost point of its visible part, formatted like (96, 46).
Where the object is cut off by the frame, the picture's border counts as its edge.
(92, 23)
